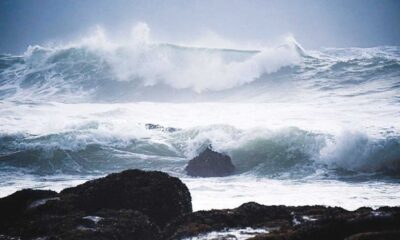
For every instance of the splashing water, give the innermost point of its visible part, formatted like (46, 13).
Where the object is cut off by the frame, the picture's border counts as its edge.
(325, 122)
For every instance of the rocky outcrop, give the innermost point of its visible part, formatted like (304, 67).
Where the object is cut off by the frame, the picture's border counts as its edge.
(384, 235)
(143, 205)
(247, 215)
(133, 204)
(105, 225)
(156, 194)
(210, 164)
(291, 223)
(14, 206)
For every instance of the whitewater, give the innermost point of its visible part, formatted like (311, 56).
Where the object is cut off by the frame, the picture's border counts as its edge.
(302, 127)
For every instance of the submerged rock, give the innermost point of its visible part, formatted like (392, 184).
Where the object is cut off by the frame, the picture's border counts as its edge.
(210, 164)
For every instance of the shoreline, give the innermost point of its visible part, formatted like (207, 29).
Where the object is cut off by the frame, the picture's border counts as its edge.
(238, 189)
(111, 199)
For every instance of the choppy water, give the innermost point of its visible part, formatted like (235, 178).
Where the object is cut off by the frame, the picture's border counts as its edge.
(301, 126)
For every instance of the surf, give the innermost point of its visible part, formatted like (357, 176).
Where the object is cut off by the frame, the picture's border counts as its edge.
(287, 116)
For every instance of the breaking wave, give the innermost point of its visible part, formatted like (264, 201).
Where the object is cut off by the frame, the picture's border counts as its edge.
(97, 69)
(289, 152)
(288, 88)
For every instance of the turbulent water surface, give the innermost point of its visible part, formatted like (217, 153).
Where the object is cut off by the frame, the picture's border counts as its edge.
(301, 126)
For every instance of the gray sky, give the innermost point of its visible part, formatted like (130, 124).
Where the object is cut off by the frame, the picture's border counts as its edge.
(314, 23)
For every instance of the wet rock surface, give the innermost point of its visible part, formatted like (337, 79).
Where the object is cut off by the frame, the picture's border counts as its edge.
(384, 235)
(14, 207)
(143, 205)
(156, 194)
(210, 164)
(294, 223)
(337, 223)
(247, 215)
(133, 204)
(108, 224)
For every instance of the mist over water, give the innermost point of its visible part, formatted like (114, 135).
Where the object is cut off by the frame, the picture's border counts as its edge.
(293, 120)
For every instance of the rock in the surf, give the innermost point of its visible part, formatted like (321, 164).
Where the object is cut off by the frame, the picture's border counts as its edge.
(152, 126)
(210, 164)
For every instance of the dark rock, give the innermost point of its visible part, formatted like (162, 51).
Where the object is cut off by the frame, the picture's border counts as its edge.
(290, 223)
(210, 164)
(13, 207)
(335, 225)
(108, 224)
(247, 215)
(3, 237)
(104, 224)
(155, 194)
(152, 126)
(385, 235)
(143, 205)
(133, 204)
(19, 201)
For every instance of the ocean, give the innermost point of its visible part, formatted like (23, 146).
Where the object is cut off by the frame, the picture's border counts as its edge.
(302, 127)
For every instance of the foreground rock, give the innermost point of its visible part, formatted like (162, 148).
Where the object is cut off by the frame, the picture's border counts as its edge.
(154, 206)
(386, 235)
(210, 164)
(292, 223)
(132, 204)
(105, 225)
(248, 215)
(14, 207)
(156, 194)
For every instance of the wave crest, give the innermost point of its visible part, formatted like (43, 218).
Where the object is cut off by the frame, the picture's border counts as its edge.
(261, 152)
(90, 67)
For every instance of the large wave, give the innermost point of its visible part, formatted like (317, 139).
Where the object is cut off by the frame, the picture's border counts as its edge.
(304, 94)
(96, 68)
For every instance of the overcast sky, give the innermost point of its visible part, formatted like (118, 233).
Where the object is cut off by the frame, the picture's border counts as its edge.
(314, 23)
